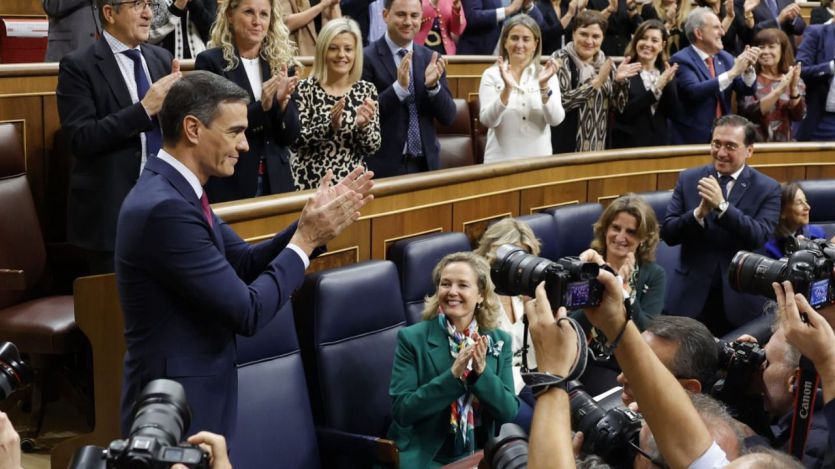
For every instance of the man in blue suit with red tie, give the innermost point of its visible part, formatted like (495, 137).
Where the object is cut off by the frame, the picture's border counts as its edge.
(707, 77)
(412, 91)
(717, 210)
(187, 283)
(817, 54)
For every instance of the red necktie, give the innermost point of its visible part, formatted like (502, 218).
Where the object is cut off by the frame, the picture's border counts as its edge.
(712, 71)
(207, 211)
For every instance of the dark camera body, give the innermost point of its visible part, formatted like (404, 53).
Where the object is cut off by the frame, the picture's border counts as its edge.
(14, 372)
(808, 266)
(161, 417)
(609, 434)
(569, 282)
(739, 364)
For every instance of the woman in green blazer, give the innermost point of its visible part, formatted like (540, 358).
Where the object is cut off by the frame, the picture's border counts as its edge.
(625, 238)
(451, 383)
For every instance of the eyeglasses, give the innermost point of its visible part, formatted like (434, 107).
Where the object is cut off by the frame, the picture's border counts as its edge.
(139, 5)
(730, 147)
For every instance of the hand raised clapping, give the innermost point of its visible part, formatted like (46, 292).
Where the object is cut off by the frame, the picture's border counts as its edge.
(366, 112)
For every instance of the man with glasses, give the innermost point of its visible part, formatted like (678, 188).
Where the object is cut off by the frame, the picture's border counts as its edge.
(109, 94)
(717, 210)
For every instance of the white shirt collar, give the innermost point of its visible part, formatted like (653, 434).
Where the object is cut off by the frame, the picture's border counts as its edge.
(702, 54)
(116, 45)
(182, 169)
(394, 47)
(735, 174)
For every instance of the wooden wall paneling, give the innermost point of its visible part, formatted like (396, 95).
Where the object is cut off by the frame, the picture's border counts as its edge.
(820, 172)
(57, 172)
(351, 246)
(21, 8)
(27, 109)
(605, 190)
(784, 173)
(472, 216)
(536, 199)
(666, 181)
(387, 229)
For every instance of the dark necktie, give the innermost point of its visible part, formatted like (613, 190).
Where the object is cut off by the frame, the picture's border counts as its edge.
(413, 145)
(207, 211)
(712, 69)
(153, 137)
(723, 183)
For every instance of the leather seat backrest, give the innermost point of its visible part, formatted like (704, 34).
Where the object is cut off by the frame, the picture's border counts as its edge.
(12, 160)
(667, 257)
(456, 139)
(21, 241)
(351, 315)
(545, 229)
(275, 420)
(658, 200)
(574, 227)
(415, 258)
(821, 197)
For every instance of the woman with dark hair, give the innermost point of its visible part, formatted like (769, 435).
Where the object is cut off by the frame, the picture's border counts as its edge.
(451, 381)
(520, 98)
(652, 93)
(822, 14)
(625, 239)
(251, 48)
(794, 220)
(590, 86)
(779, 99)
(339, 111)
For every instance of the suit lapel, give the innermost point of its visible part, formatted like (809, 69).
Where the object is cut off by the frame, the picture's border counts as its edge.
(701, 66)
(828, 34)
(740, 186)
(155, 66)
(419, 62)
(438, 345)
(112, 74)
(386, 59)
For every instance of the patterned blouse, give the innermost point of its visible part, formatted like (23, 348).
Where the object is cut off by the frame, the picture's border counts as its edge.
(593, 105)
(775, 125)
(318, 147)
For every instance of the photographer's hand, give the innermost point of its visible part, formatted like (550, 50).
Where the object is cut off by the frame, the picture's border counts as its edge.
(9, 444)
(590, 255)
(555, 342)
(814, 337)
(213, 444)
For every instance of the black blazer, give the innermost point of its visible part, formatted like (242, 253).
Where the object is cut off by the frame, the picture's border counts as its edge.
(763, 20)
(620, 28)
(820, 15)
(552, 30)
(103, 127)
(269, 134)
(637, 126)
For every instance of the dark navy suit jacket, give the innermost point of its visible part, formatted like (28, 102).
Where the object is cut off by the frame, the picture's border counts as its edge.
(103, 128)
(269, 134)
(705, 251)
(815, 53)
(698, 95)
(378, 68)
(187, 289)
(482, 32)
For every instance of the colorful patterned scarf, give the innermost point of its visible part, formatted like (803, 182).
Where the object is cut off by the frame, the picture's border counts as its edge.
(464, 415)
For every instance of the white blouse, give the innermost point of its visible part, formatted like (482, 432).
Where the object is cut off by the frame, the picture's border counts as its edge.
(517, 333)
(522, 128)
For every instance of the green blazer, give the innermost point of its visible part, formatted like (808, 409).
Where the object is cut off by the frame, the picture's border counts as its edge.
(423, 388)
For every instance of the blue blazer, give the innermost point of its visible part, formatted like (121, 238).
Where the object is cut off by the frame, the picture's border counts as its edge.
(378, 68)
(707, 251)
(187, 289)
(482, 32)
(815, 53)
(103, 127)
(269, 134)
(775, 247)
(698, 95)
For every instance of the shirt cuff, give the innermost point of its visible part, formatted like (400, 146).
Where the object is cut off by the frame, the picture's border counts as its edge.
(724, 81)
(401, 92)
(832, 65)
(434, 91)
(500, 15)
(713, 458)
(701, 221)
(749, 76)
(302, 255)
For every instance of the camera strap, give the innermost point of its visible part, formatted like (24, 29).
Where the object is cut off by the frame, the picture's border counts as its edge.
(541, 382)
(806, 391)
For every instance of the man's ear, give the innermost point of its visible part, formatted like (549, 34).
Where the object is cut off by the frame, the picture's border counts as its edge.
(191, 128)
(108, 12)
(692, 385)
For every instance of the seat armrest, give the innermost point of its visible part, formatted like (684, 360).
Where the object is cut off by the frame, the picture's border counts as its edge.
(370, 449)
(12, 279)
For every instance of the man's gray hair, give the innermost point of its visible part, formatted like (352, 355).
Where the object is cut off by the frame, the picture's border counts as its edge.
(695, 20)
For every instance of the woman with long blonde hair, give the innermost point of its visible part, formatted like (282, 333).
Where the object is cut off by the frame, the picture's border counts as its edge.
(251, 47)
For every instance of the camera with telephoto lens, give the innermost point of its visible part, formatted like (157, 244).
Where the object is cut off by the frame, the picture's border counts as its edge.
(569, 281)
(611, 434)
(14, 372)
(161, 417)
(739, 362)
(507, 450)
(808, 266)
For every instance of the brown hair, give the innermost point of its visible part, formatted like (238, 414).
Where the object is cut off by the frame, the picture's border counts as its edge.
(647, 230)
(788, 191)
(775, 36)
(588, 18)
(487, 313)
(632, 47)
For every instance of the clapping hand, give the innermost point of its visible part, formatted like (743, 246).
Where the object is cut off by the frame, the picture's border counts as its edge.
(627, 70)
(462, 361)
(403, 70)
(729, 9)
(366, 112)
(285, 88)
(795, 79)
(711, 193)
(152, 102)
(626, 270)
(666, 76)
(789, 13)
(602, 75)
(434, 70)
(749, 5)
(547, 71)
(336, 114)
(480, 353)
(507, 75)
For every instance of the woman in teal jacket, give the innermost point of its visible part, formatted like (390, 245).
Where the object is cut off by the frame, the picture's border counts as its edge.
(451, 383)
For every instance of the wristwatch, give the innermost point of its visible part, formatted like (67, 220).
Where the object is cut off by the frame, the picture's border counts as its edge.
(723, 205)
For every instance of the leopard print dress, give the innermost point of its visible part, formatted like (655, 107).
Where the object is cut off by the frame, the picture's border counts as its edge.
(318, 146)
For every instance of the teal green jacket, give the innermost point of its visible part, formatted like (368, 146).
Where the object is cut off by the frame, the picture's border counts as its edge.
(423, 388)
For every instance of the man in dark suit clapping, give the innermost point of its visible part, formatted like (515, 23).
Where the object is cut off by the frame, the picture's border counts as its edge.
(187, 283)
(412, 92)
(109, 94)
